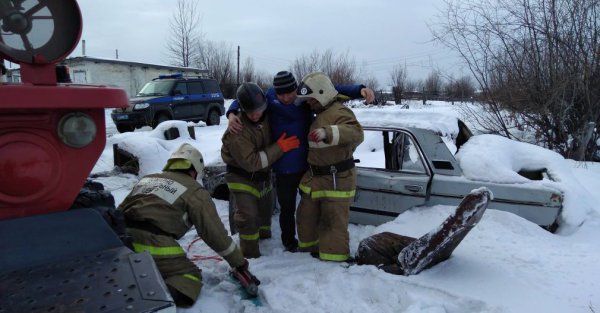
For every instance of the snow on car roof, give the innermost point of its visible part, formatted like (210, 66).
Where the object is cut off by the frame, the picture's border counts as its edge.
(444, 124)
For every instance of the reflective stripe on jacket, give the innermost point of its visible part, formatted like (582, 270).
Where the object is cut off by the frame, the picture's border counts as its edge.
(172, 202)
(251, 149)
(343, 134)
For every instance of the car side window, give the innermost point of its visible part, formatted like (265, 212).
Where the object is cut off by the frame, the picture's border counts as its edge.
(195, 88)
(211, 86)
(180, 89)
(407, 154)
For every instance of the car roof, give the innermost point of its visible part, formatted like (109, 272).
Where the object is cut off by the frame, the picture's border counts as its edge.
(179, 77)
(442, 124)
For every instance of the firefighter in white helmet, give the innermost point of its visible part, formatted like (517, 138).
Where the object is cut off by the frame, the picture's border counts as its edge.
(328, 187)
(161, 208)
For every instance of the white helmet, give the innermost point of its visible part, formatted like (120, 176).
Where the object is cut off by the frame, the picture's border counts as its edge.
(319, 86)
(190, 157)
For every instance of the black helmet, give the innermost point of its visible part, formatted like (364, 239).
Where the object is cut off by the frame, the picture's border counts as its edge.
(251, 98)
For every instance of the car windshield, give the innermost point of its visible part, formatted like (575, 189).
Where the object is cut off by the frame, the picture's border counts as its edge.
(156, 88)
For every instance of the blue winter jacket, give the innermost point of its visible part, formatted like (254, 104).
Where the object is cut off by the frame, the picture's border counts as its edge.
(293, 119)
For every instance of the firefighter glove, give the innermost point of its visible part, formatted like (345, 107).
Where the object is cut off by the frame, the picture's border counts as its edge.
(317, 135)
(289, 143)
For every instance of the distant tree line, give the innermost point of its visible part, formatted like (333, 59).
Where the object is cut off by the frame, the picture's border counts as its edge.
(535, 66)
(187, 47)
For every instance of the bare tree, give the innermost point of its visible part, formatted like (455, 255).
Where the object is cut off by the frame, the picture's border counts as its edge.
(263, 79)
(371, 82)
(306, 64)
(247, 73)
(460, 89)
(413, 85)
(217, 58)
(184, 34)
(537, 63)
(340, 68)
(433, 84)
(399, 81)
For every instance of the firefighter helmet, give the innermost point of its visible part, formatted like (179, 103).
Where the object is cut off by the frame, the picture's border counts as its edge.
(317, 85)
(251, 98)
(185, 157)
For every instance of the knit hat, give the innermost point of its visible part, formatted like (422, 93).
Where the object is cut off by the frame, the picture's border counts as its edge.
(284, 82)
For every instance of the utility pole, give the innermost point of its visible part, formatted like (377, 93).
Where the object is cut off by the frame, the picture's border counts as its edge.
(238, 67)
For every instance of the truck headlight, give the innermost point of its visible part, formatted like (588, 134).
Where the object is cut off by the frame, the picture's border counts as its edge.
(141, 106)
(77, 130)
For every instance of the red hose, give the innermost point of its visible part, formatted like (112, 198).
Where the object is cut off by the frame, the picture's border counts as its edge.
(197, 257)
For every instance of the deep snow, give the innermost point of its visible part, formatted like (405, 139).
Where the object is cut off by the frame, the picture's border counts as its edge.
(506, 264)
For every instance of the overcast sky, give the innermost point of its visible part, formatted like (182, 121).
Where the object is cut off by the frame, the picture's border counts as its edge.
(378, 34)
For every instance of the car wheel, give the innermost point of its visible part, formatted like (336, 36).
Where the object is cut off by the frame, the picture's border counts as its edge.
(159, 119)
(213, 118)
(125, 128)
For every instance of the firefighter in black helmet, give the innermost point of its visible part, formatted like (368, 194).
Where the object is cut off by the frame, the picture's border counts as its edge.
(251, 98)
(249, 156)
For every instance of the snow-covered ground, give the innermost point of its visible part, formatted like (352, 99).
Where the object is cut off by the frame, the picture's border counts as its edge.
(506, 264)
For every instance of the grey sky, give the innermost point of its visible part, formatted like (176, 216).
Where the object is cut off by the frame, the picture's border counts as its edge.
(378, 34)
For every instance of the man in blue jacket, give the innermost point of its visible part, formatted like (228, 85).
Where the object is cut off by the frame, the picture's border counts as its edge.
(290, 115)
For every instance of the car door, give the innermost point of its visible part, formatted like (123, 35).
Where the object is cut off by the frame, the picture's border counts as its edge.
(180, 101)
(392, 176)
(199, 99)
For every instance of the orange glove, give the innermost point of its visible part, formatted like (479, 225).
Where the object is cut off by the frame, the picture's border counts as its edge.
(289, 143)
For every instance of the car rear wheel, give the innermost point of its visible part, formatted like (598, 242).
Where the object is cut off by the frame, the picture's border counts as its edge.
(160, 118)
(213, 118)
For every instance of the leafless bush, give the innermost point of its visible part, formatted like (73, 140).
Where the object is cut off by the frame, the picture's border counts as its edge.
(217, 58)
(399, 82)
(535, 61)
(371, 82)
(433, 83)
(461, 89)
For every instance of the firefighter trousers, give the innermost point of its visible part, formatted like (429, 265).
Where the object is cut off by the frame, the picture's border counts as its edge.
(182, 277)
(252, 219)
(323, 227)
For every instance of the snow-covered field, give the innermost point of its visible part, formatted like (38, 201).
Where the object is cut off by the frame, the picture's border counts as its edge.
(506, 264)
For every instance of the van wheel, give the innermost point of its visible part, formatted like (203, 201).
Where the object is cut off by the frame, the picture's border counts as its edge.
(159, 119)
(213, 118)
(125, 128)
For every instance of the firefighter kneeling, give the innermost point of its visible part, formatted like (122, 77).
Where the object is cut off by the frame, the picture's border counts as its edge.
(161, 208)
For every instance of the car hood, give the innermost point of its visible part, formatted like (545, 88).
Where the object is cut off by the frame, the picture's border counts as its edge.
(136, 100)
(133, 101)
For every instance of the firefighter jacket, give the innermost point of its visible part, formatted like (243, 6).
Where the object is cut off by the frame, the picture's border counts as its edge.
(168, 204)
(251, 151)
(294, 119)
(343, 135)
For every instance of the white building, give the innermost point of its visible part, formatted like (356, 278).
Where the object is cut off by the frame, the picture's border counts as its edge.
(130, 76)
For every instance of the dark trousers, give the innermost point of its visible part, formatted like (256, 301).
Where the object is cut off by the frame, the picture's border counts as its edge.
(287, 189)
